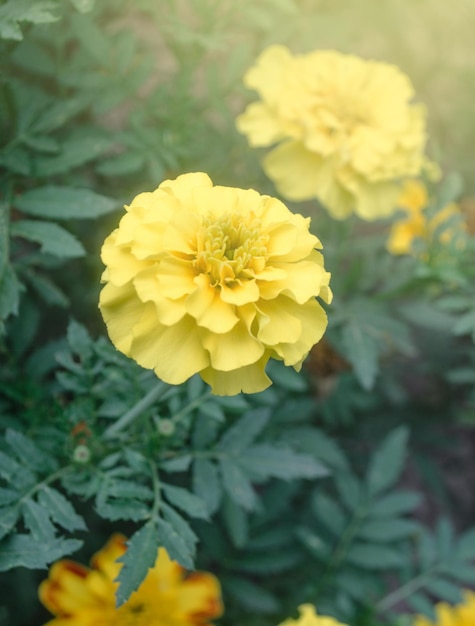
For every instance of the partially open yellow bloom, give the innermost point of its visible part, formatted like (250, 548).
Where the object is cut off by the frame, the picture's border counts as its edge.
(447, 615)
(82, 596)
(347, 129)
(213, 280)
(308, 617)
(415, 224)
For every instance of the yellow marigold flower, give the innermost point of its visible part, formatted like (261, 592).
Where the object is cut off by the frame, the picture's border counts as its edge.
(308, 617)
(447, 615)
(415, 224)
(347, 129)
(213, 280)
(81, 596)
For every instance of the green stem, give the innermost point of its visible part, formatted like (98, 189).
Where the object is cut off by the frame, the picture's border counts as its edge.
(39, 486)
(405, 590)
(156, 491)
(137, 410)
(190, 406)
(342, 545)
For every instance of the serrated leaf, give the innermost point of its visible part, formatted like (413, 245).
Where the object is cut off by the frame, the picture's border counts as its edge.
(126, 163)
(37, 521)
(237, 485)
(8, 519)
(266, 563)
(444, 536)
(139, 557)
(13, 12)
(181, 526)
(420, 603)
(60, 509)
(64, 203)
(117, 509)
(186, 501)
(52, 238)
(465, 549)
(444, 590)
(10, 289)
(206, 484)
(396, 503)
(14, 473)
(350, 489)
(388, 529)
(74, 152)
(236, 521)
(178, 464)
(7, 496)
(387, 462)
(175, 545)
(255, 598)
(241, 434)
(267, 461)
(362, 351)
(374, 556)
(25, 551)
(329, 513)
(204, 432)
(316, 442)
(28, 452)
(91, 37)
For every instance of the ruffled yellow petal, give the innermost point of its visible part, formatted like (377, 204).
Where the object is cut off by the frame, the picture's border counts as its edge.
(293, 170)
(175, 352)
(195, 267)
(249, 379)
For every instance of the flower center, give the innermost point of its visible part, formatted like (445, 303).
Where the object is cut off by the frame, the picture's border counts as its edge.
(230, 248)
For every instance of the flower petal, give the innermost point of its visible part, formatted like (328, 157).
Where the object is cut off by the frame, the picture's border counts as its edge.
(175, 352)
(208, 309)
(249, 379)
(232, 350)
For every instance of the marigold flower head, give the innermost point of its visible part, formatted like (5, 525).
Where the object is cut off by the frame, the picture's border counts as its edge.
(415, 224)
(447, 615)
(308, 617)
(213, 280)
(346, 127)
(81, 596)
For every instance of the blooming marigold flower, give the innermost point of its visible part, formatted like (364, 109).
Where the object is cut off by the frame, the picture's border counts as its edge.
(346, 127)
(415, 224)
(81, 596)
(308, 617)
(213, 280)
(447, 615)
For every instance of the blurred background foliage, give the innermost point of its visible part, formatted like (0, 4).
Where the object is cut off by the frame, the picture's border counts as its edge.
(349, 485)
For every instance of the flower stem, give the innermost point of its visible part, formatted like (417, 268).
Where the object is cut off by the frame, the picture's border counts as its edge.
(135, 411)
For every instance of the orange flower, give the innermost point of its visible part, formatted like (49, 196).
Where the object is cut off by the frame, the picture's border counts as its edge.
(82, 596)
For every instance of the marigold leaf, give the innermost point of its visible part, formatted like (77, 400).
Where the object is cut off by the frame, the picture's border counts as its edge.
(175, 545)
(329, 513)
(445, 590)
(387, 530)
(255, 598)
(181, 526)
(28, 452)
(186, 501)
(15, 474)
(60, 509)
(237, 485)
(52, 238)
(64, 203)
(236, 520)
(266, 461)
(362, 351)
(26, 551)
(388, 461)
(241, 434)
(374, 556)
(206, 484)
(396, 503)
(37, 520)
(139, 557)
(8, 519)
